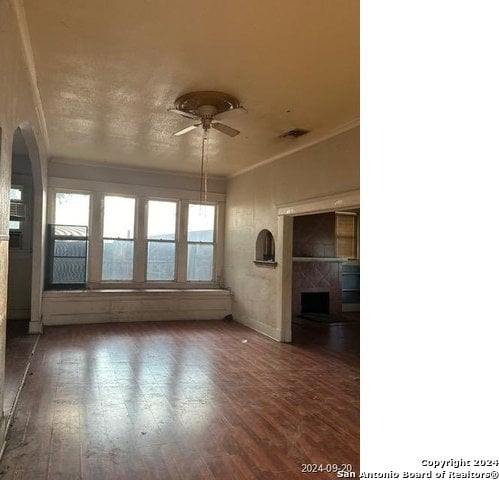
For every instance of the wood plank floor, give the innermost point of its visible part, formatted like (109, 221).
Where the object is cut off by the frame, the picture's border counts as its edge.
(18, 347)
(181, 400)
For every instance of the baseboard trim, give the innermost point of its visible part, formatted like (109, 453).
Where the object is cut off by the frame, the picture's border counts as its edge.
(261, 328)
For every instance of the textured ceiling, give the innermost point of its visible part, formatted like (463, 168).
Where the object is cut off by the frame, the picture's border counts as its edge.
(108, 71)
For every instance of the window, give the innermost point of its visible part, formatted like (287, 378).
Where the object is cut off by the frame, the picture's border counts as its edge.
(16, 207)
(118, 238)
(72, 209)
(16, 192)
(67, 247)
(200, 242)
(137, 241)
(68, 242)
(16, 217)
(161, 230)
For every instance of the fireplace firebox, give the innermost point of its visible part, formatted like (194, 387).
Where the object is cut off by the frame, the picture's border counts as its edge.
(315, 302)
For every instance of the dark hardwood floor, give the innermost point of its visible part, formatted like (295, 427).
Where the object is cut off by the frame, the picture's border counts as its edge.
(18, 348)
(182, 400)
(341, 336)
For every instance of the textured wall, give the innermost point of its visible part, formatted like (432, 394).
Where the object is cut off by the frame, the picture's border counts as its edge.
(18, 106)
(324, 169)
(313, 235)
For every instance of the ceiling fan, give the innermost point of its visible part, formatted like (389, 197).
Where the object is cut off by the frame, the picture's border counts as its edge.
(208, 108)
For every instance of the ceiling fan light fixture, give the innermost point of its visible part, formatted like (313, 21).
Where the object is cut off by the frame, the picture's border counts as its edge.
(190, 102)
(207, 107)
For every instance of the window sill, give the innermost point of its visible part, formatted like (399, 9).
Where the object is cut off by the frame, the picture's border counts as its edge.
(265, 263)
(133, 291)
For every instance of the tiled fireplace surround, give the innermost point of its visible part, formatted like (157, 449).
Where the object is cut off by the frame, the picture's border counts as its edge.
(313, 240)
(317, 276)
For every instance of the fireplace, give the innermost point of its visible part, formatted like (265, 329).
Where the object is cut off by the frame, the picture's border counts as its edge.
(319, 278)
(315, 302)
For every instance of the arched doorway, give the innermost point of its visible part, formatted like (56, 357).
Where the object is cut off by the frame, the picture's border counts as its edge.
(38, 240)
(21, 237)
(24, 265)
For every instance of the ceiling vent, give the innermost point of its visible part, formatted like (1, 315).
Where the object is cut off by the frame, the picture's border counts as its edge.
(295, 133)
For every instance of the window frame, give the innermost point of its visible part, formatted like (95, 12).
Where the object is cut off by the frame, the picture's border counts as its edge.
(175, 241)
(213, 242)
(133, 239)
(72, 192)
(98, 191)
(51, 218)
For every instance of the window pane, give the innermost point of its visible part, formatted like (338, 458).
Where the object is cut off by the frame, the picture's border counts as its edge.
(71, 208)
(70, 231)
(160, 261)
(201, 223)
(200, 262)
(69, 270)
(16, 193)
(161, 220)
(70, 248)
(14, 225)
(117, 260)
(119, 217)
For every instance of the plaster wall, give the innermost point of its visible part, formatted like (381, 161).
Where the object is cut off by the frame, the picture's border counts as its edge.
(19, 105)
(252, 203)
(169, 181)
(313, 235)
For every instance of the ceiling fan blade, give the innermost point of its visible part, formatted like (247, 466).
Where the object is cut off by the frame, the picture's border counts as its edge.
(184, 114)
(186, 130)
(221, 127)
(230, 113)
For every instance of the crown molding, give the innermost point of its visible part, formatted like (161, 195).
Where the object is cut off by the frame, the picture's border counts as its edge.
(337, 131)
(30, 65)
(80, 162)
(327, 203)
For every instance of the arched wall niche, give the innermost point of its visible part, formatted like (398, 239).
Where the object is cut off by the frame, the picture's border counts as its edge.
(265, 248)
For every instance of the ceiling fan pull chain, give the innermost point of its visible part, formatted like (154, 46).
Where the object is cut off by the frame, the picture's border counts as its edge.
(206, 156)
(203, 159)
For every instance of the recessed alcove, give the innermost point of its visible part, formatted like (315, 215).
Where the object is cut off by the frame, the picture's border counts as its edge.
(265, 249)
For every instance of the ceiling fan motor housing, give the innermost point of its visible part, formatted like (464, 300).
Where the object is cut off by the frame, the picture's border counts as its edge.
(206, 112)
(195, 102)
(209, 107)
